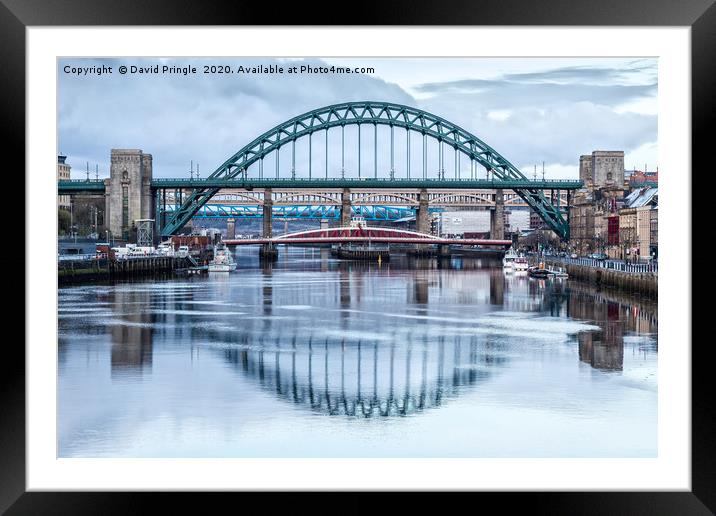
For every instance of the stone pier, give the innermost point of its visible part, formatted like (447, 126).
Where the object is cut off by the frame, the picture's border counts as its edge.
(268, 214)
(268, 251)
(497, 217)
(422, 217)
(346, 214)
(230, 229)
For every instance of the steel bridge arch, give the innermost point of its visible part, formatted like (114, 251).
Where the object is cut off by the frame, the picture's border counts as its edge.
(455, 199)
(377, 113)
(297, 197)
(385, 198)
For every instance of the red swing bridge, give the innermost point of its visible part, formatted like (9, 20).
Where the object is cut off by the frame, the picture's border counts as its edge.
(366, 235)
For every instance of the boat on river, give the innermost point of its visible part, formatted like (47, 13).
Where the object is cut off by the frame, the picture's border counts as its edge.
(538, 271)
(223, 260)
(509, 260)
(520, 264)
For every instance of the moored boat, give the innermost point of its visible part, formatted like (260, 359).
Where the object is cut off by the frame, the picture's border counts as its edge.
(538, 271)
(223, 260)
(520, 264)
(509, 260)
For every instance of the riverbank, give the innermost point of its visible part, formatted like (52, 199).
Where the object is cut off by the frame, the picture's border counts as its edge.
(642, 283)
(99, 270)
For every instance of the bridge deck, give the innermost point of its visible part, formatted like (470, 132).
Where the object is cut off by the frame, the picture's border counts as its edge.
(478, 184)
(78, 186)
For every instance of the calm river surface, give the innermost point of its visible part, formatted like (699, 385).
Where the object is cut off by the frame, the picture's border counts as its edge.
(315, 357)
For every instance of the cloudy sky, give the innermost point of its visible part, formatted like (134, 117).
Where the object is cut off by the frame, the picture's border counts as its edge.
(530, 110)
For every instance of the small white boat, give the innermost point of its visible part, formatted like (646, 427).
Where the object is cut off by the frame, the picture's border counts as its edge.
(223, 260)
(520, 264)
(509, 260)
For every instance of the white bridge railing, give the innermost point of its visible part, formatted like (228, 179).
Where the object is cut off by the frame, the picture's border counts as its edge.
(616, 265)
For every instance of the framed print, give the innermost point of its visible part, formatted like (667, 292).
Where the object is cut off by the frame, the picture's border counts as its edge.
(396, 257)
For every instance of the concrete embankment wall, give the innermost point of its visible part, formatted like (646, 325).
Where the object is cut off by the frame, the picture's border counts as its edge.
(645, 283)
(83, 271)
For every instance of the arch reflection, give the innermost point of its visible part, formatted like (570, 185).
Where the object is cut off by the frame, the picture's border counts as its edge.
(368, 378)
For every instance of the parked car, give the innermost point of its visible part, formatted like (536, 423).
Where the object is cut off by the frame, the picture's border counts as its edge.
(573, 255)
(598, 256)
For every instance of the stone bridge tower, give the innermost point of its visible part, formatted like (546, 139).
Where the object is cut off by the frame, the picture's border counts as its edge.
(128, 192)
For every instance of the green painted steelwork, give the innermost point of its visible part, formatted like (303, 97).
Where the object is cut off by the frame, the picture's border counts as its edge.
(393, 115)
(472, 184)
(74, 186)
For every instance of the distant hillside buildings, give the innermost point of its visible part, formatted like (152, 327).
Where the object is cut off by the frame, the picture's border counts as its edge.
(637, 178)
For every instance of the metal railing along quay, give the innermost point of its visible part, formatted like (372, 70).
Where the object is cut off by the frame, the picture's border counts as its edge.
(616, 265)
(101, 256)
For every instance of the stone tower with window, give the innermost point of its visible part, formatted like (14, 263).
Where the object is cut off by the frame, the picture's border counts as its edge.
(128, 191)
(608, 168)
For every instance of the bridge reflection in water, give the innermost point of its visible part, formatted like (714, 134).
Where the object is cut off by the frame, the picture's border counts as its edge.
(386, 372)
(350, 358)
(392, 376)
(362, 378)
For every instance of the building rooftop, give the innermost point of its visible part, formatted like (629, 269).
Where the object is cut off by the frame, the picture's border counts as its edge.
(641, 197)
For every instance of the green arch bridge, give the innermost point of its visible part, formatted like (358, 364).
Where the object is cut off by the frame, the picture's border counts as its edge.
(240, 170)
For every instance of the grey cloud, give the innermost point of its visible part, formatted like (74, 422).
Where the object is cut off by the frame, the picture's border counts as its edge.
(499, 94)
(555, 115)
(637, 72)
(181, 118)
(557, 135)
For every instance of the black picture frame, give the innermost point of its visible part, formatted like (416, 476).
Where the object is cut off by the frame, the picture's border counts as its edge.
(17, 15)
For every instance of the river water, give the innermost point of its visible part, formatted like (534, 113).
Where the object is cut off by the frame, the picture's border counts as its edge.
(314, 357)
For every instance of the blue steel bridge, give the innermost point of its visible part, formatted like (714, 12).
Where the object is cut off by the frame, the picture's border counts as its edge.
(303, 212)
(421, 155)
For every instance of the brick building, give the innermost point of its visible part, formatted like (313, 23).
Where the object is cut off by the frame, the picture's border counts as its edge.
(639, 224)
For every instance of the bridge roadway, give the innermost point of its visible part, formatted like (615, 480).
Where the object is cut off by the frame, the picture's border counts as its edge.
(74, 186)
(171, 200)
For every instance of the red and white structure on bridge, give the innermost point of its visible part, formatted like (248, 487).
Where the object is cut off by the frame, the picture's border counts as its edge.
(367, 235)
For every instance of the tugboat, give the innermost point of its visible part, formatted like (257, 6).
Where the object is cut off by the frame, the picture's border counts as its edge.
(223, 260)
